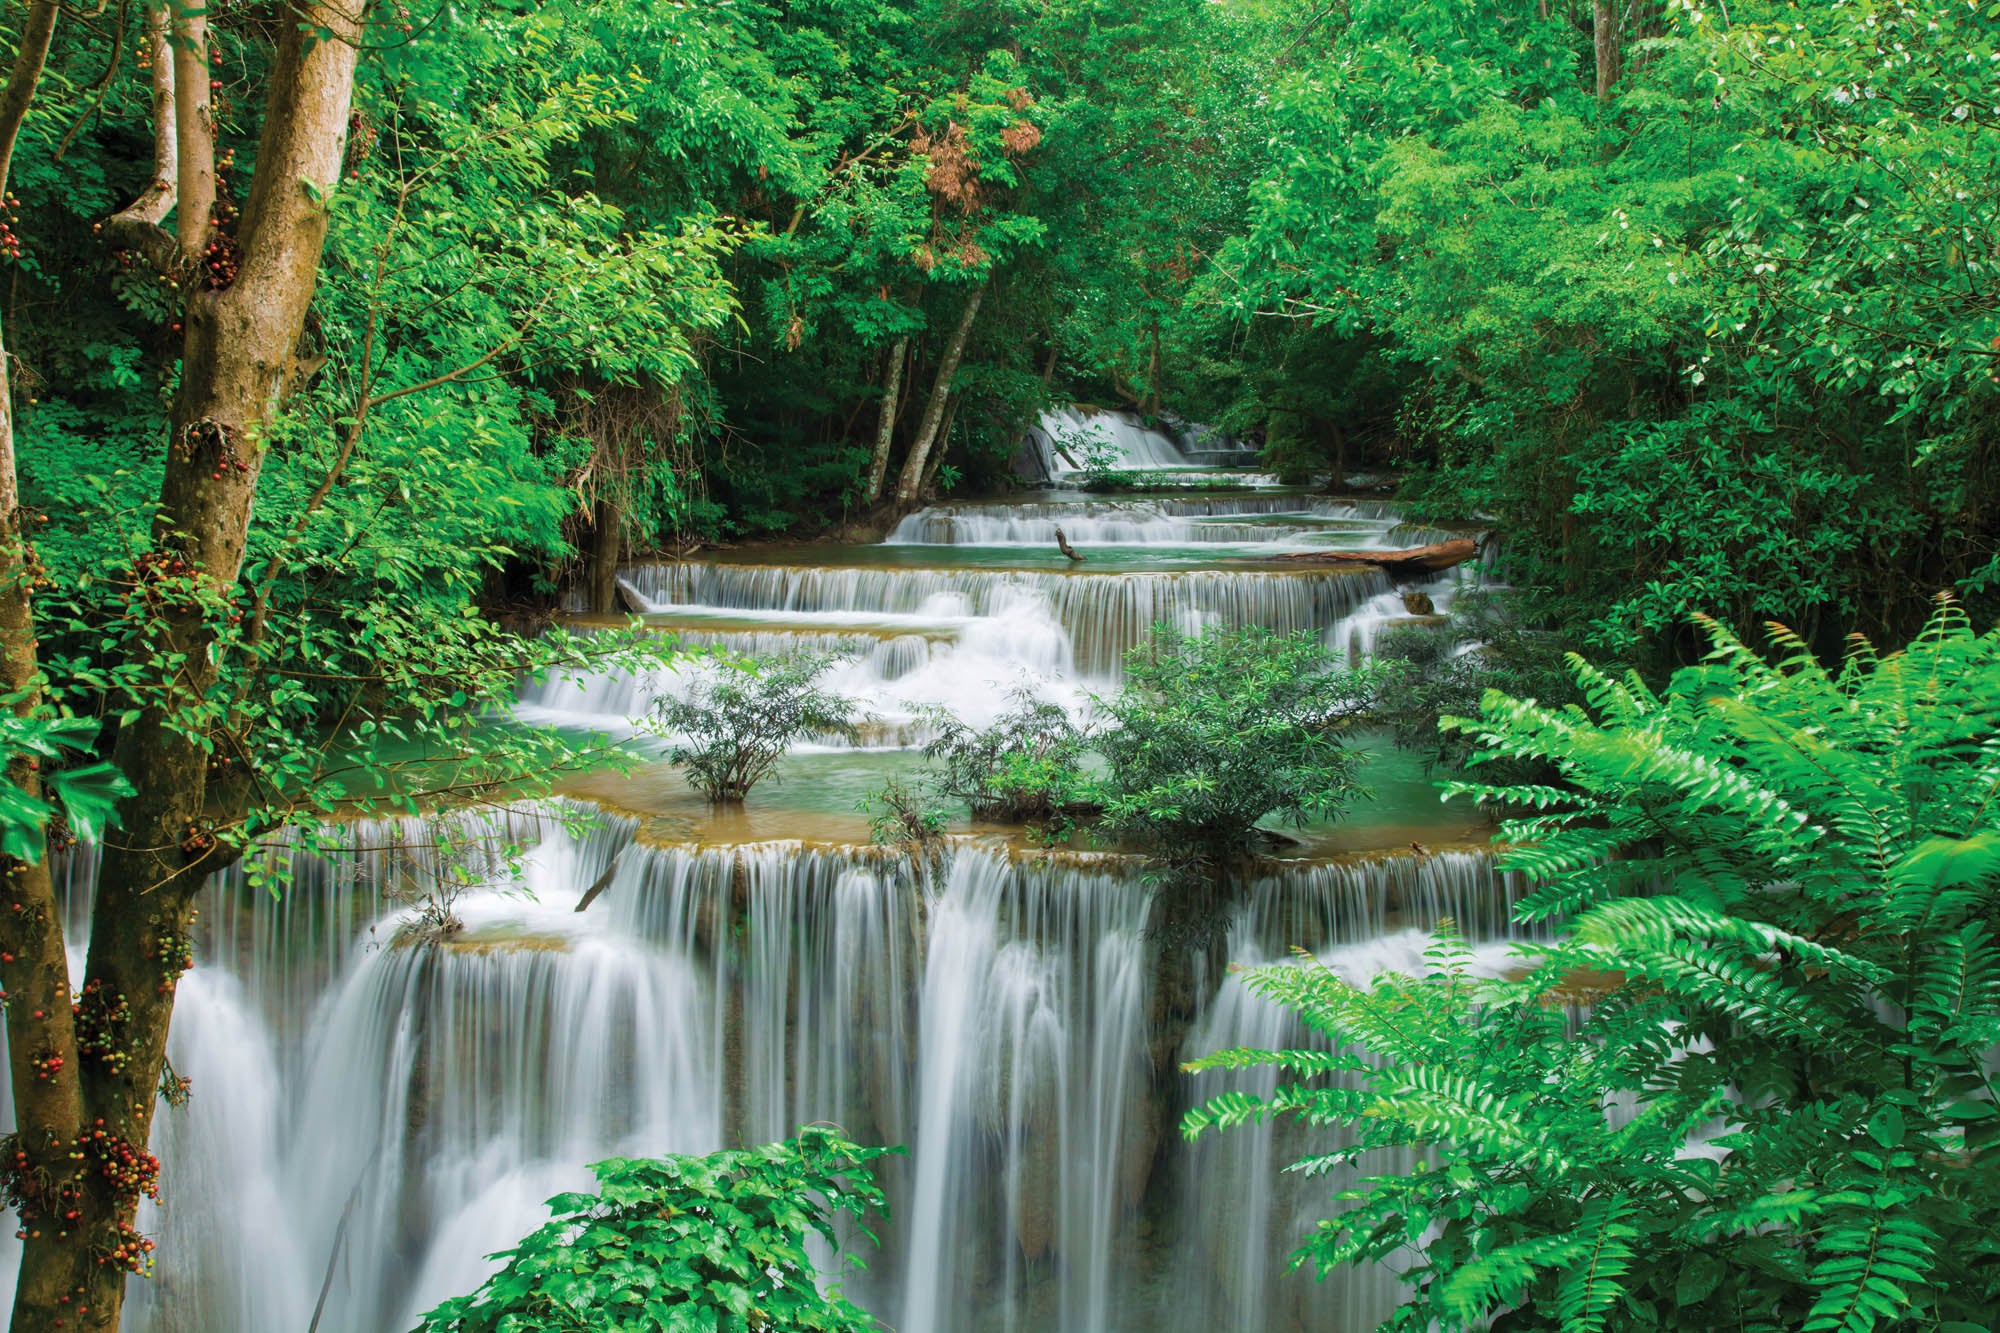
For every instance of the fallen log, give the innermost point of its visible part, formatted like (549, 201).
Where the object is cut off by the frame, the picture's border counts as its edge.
(1062, 544)
(1410, 561)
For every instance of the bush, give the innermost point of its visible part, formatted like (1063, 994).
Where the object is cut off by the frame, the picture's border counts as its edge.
(738, 727)
(1426, 673)
(1216, 731)
(1775, 888)
(903, 815)
(715, 1242)
(1025, 768)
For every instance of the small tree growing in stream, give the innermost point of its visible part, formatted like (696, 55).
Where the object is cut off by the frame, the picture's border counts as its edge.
(1216, 731)
(737, 726)
(1027, 767)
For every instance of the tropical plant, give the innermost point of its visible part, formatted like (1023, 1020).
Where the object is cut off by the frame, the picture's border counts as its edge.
(1427, 672)
(1772, 892)
(678, 1244)
(1026, 767)
(906, 816)
(77, 798)
(1216, 731)
(736, 723)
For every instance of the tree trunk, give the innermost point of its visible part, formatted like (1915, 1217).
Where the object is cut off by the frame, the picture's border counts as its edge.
(237, 360)
(920, 448)
(606, 543)
(194, 127)
(41, 1041)
(137, 226)
(942, 447)
(1604, 34)
(885, 423)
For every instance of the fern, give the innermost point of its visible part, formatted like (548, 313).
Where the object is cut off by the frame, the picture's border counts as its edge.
(1757, 1051)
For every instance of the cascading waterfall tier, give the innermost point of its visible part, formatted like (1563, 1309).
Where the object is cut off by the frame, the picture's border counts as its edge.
(388, 1107)
(1104, 614)
(1278, 520)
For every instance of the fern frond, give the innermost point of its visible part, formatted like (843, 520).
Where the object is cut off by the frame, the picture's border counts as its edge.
(1593, 1284)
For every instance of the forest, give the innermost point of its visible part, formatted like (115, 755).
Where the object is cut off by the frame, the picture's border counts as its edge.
(1000, 666)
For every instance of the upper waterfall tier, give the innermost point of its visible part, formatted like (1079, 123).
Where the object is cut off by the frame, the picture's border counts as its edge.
(1102, 614)
(1071, 439)
(1262, 523)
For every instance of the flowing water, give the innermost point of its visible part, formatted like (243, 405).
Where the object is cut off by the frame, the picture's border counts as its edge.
(373, 1113)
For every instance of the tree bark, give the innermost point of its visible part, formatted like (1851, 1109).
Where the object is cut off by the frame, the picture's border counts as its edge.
(913, 467)
(942, 447)
(194, 126)
(607, 540)
(34, 963)
(237, 358)
(138, 226)
(885, 422)
(1604, 35)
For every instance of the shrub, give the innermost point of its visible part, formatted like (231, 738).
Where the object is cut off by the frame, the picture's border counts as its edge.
(1428, 672)
(1775, 887)
(1025, 768)
(738, 726)
(903, 815)
(715, 1242)
(1216, 731)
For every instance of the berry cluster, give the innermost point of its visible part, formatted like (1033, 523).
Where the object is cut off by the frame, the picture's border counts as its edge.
(174, 949)
(128, 1251)
(201, 439)
(100, 1020)
(198, 841)
(131, 1170)
(29, 1189)
(175, 1089)
(159, 565)
(10, 244)
(48, 1063)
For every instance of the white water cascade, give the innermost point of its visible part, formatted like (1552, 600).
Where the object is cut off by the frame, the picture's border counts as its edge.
(375, 1110)
(997, 1021)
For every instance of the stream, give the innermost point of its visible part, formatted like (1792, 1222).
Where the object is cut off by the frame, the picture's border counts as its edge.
(371, 1119)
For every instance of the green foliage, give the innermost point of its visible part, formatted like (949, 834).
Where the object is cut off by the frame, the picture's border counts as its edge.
(905, 815)
(1218, 730)
(714, 1244)
(1027, 767)
(1773, 887)
(1427, 672)
(78, 796)
(1723, 340)
(737, 724)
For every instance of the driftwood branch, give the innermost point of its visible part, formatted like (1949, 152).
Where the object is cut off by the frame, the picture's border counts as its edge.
(1404, 563)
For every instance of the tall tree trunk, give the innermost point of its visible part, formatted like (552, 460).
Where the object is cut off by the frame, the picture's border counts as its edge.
(885, 423)
(137, 225)
(606, 543)
(942, 447)
(1604, 34)
(194, 127)
(920, 448)
(237, 358)
(34, 965)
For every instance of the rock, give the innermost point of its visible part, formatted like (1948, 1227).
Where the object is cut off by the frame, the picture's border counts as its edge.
(1418, 603)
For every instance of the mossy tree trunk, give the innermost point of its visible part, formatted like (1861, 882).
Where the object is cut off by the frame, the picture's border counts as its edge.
(244, 314)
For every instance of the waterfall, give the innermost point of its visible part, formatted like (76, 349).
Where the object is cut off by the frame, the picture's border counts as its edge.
(382, 1110)
(1103, 614)
(1285, 521)
(378, 1108)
